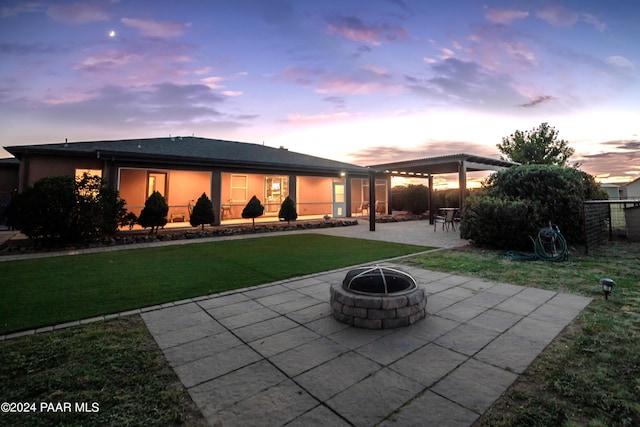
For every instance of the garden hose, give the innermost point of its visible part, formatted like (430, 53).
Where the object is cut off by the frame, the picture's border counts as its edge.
(550, 245)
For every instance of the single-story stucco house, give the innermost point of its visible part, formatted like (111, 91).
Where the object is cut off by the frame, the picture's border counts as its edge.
(181, 168)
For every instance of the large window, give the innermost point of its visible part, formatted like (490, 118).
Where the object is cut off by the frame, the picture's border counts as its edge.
(239, 188)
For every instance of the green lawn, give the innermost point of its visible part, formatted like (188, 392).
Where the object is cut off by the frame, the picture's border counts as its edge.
(40, 292)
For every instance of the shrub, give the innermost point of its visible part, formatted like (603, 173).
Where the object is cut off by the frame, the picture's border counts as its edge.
(154, 213)
(288, 210)
(65, 209)
(549, 192)
(253, 210)
(416, 199)
(499, 222)
(202, 212)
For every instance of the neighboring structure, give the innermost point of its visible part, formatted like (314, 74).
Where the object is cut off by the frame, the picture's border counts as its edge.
(631, 190)
(613, 191)
(182, 168)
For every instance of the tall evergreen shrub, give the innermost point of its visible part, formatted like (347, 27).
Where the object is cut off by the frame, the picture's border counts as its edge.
(288, 210)
(253, 210)
(154, 213)
(202, 212)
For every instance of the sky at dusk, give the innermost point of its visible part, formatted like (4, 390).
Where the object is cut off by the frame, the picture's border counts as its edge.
(365, 82)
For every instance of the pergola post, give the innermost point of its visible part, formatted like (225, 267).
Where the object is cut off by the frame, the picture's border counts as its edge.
(462, 182)
(430, 198)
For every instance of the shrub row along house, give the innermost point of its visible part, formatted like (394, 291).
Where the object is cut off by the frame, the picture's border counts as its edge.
(229, 173)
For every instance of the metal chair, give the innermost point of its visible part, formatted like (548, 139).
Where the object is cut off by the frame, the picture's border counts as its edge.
(446, 220)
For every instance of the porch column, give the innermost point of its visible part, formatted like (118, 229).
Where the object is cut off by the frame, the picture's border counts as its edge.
(216, 195)
(23, 173)
(388, 186)
(293, 189)
(462, 182)
(372, 201)
(110, 173)
(347, 195)
(430, 198)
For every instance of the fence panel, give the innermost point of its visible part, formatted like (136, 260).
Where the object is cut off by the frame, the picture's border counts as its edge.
(605, 220)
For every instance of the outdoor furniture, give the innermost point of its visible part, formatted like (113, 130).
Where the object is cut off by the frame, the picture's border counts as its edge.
(364, 206)
(445, 217)
(179, 215)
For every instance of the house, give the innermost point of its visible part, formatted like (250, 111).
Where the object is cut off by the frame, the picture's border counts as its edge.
(613, 191)
(228, 172)
(631, 190)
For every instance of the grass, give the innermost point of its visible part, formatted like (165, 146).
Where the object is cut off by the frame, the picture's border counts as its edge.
(49, 291)
(115, 368)
(590, 375)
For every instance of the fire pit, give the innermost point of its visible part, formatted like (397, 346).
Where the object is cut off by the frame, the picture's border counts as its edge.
(378, 298)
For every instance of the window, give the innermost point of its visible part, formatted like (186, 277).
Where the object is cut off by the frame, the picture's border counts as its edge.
(90, 172)
(239, 188)
(157, 181)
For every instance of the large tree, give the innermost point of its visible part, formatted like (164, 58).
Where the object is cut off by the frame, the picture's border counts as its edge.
(539, 146)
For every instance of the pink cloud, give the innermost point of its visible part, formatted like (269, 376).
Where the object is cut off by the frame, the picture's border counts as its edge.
(231, 93)
(520, 52)
(354, 29)
(108, 59)
(504, 16)
(332, 83)
(213, 82)
(558, 16)
(77, 13)
(155, 28)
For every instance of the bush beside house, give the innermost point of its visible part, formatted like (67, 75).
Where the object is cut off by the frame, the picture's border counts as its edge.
(252, 210)
(519, 201)
(63, 209)
(288, 210)
(202, 212)
(154, 213)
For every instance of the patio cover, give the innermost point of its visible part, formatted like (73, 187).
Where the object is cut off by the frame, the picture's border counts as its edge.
(427, 167)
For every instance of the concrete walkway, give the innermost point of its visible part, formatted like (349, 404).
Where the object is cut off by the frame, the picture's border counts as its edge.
(274, 355)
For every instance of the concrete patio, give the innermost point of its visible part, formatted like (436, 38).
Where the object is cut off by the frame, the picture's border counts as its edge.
(273, 355)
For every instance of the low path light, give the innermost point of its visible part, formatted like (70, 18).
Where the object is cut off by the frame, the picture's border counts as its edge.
(607, 287)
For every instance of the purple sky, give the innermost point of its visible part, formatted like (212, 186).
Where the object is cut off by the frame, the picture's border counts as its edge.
(358, 81)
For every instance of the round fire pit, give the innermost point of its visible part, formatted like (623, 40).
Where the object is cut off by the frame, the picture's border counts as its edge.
(378, 298)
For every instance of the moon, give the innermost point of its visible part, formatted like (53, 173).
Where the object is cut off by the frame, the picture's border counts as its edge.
(112, 33)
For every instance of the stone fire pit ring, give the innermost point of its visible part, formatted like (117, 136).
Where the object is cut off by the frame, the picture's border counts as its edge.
(378, 297)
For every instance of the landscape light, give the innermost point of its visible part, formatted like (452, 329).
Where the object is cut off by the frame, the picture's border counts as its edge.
(607, 287)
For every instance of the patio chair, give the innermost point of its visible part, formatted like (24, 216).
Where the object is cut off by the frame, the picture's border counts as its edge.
(364, 206)
(446, 220)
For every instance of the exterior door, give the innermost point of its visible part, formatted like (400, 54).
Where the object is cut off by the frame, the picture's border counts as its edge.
(339, 200)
